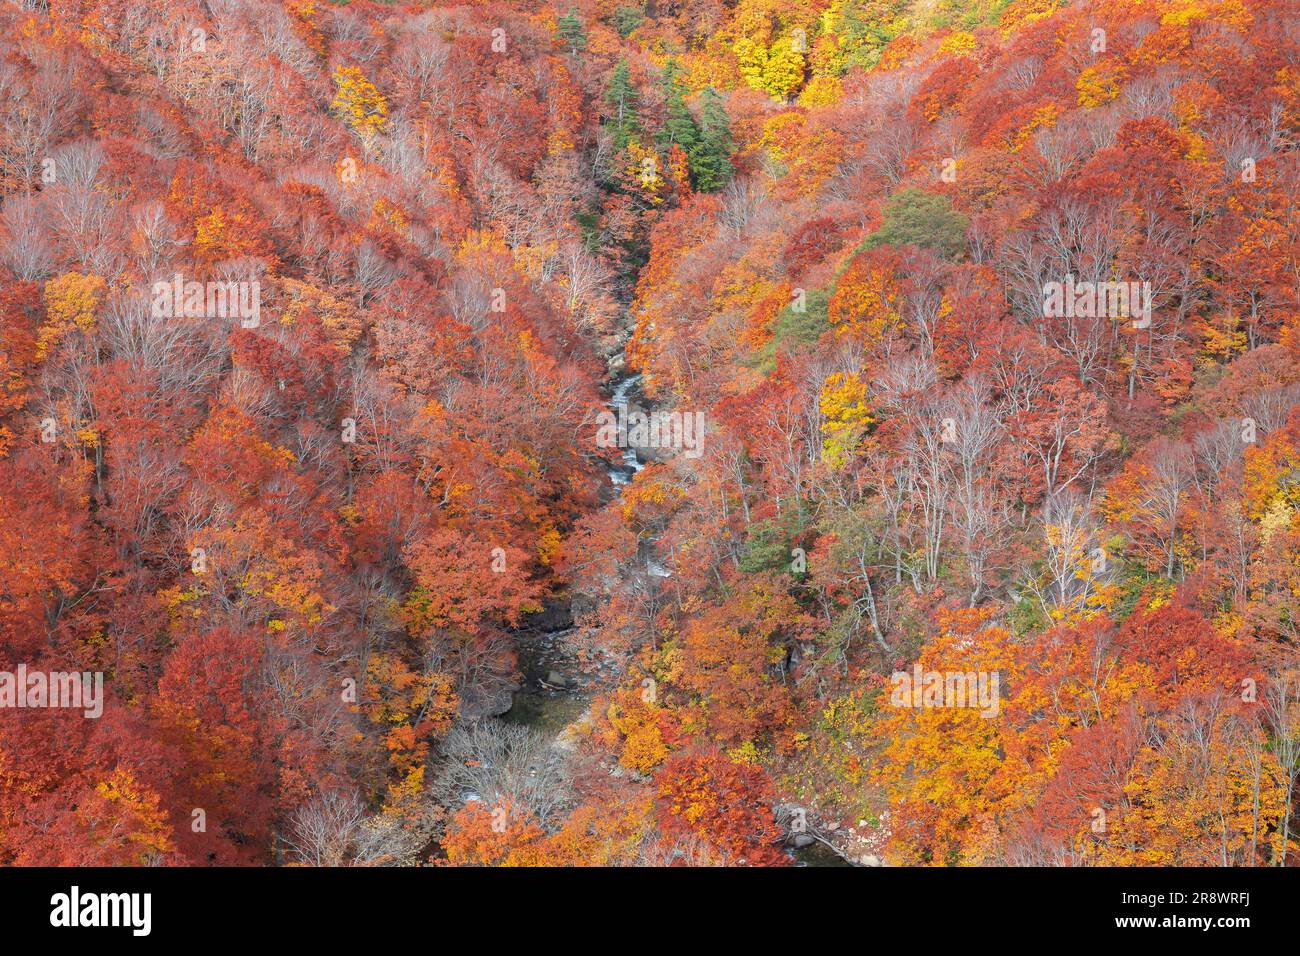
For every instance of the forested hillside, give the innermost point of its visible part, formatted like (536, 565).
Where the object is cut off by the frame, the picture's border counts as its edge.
(977, 325)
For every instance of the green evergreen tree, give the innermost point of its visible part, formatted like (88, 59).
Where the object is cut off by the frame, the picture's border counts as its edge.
(621, 98)
(914, 217)
(627, 19)
(570, 27)
(711, 157)
(679, 124)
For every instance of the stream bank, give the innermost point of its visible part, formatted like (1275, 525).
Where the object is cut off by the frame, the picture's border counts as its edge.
(556, 693)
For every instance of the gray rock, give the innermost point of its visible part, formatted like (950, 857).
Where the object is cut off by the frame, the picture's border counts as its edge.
(492, 703)
(649, 456)
(556, 616)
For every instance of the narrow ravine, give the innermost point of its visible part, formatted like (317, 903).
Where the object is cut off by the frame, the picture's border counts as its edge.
(554, 693)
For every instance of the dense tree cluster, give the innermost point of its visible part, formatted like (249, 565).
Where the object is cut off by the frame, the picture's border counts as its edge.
(306, 543)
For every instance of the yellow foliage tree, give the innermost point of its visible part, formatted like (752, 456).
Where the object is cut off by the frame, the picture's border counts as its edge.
(139, 824)
(359, 102)
(777, 70)
(1212, 795)
(1098, 84)
(959, 43)
(867, 302)
(845, 417)
(636, 721)
(805, 153)
(71, 302)
(783, 71)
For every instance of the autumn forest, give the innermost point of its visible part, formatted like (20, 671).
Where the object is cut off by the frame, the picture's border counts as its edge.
(645, 433)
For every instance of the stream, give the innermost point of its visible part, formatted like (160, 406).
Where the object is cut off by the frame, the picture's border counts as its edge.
(554, 694)
(623, 387)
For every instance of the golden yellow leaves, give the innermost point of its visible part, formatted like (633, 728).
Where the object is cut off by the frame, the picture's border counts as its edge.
(845, 417)
(1222, 337)
(1270, 471)
(636, 721)
(805, 154)
(210, 234)
(71, 302)
(950, 765)
(959, 43)
(531, 261)
(1184, 12)
(1024, 12)
(867, 303)
(145, 822)
(821, 91)
(1280, 518)
(642, 170)
(1042, 118)
(777, 70)
(336, 315)
(386, 214)
(1213, 794)
(549, 541)
(747, 754)
(359, 102)
(1099, 84)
